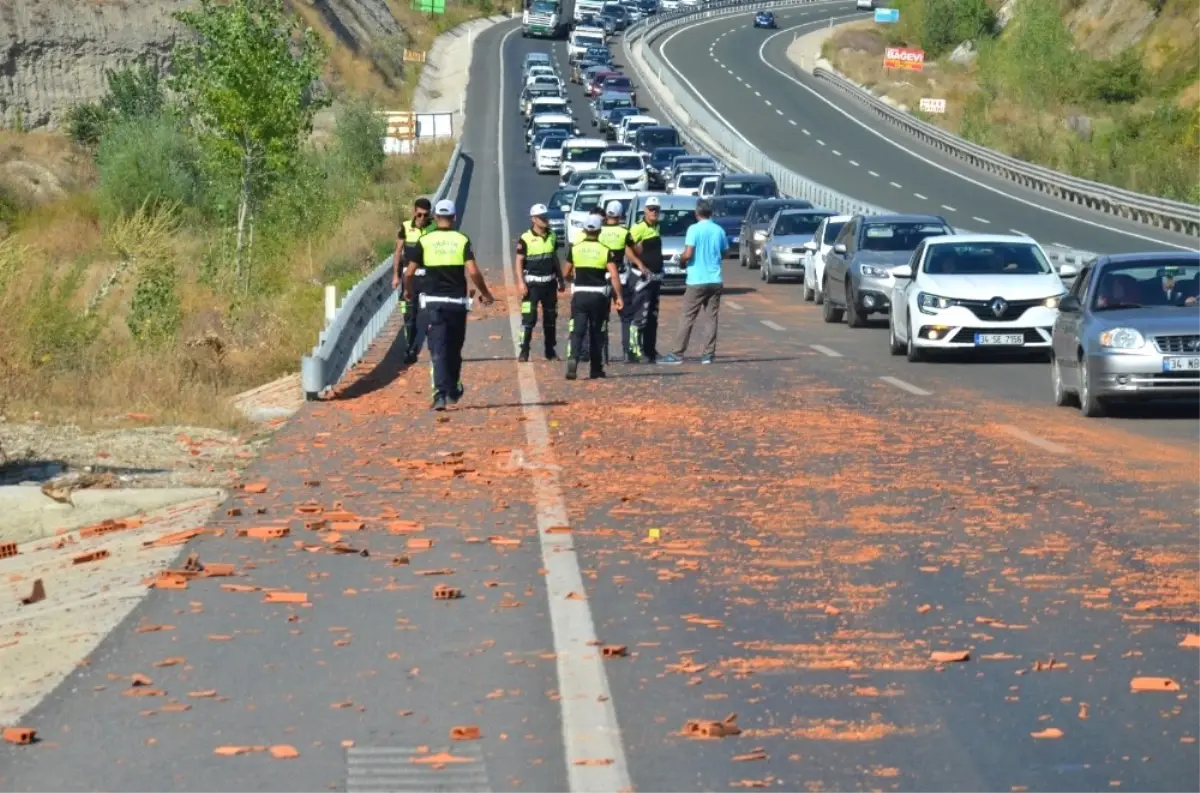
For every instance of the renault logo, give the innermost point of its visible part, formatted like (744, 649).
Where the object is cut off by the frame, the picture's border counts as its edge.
(1191, 345)
(998, 305)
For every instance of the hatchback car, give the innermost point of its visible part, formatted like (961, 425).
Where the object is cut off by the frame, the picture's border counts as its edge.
(764, 19)
(753, 234)
(1128, 330)
(818, 249)
(784, 254)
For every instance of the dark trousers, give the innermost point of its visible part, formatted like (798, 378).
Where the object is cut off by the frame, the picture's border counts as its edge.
(626, 314)
(546, 296)
(414, 328)
(447, 332)
(589, 326)
(643, 337)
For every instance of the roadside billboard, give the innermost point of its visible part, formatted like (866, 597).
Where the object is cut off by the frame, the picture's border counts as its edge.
(887, 15)
(904, 58)
(933, 105)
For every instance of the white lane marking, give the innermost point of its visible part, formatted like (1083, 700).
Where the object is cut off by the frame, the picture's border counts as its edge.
(1041, 443)
(778, 112)
(820, 142)
(890, 141)
(756, 93)
(734, 305)
(905, 386)
(768, 101)
(873, 173)
(589, 720)
(948, 208)
(806, 132)
(981, 220)
(793, 123)
(740, 80)
(1018, 232)
(854, 163)
(918, 195)
(772, 325)
(836, 153)
(821, 348)
(896, 185)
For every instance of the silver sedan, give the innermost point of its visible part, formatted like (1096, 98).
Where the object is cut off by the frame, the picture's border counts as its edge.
(1129, 330)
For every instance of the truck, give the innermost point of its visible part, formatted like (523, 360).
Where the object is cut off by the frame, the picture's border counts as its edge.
(543, 19)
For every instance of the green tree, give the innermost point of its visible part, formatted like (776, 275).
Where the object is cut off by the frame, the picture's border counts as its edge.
(359, 134)
(147, 161)
(944, 24)
(131, 93)
(249, 81)
(1117, 80)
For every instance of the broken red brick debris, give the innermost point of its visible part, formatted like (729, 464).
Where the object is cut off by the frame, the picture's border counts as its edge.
(8, 549)
(614, 651)
(949, 656)
(1147, 684)
(700, 728)
(465, 732)
(21, 736)
(255, 488)
(443, 592)
(91, 556)
(285, 597)
(109, 526)
(36, 595)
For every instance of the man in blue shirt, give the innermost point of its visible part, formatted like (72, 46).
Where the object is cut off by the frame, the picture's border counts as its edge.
(703, 251)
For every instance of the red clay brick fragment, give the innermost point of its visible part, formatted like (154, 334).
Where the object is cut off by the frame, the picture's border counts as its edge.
(36, 595)
(700, 728)
(139, 679)
(170, 580)
(420, 543)
(218, 570)
(284, 752)
(91, 556)
(140, 691)
(614, 651)
(593, 761)
(558, 530)
(8, 549)
(1144, 684)
(285, 597)
(443, 592)
(465, 732)
(21, 736)
(267, 532)
(232, 751)
(949, 657)
(255, 487)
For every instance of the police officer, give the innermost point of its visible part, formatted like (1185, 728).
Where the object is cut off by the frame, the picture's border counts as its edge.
(596, 212)
(615, 237)
(448, 259)
(406, 242)
(643, 334)
(593, 266)
(539, 279)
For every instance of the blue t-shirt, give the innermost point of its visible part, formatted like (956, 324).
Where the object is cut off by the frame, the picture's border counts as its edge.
(708, 247)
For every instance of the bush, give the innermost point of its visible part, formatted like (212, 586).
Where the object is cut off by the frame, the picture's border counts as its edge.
(944, 24)
(132, 93)
(86, 123)
(1035, 60)
(1115, 81)
(155, 314)
(147, 160)
(359, 135)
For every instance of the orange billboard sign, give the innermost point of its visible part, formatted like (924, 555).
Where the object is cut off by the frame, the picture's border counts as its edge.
(904, 58)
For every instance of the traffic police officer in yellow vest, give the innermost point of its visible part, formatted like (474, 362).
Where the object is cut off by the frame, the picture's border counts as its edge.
(643, 333)
(593, 267)
(406, 242)
(446, 255)
(615, 237)
(539, 280)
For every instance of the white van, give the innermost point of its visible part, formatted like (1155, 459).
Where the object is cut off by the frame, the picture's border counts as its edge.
(688, 182)
(582, 38)
(581, 154)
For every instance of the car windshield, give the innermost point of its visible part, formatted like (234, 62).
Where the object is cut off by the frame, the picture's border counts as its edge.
(664, 155)
(578, 154)
(798, 224)
(755, 187)
(692, 178)
(899, 236)
(986, 258)
(702, 163)
(544, 7)
(563, 126)
(765, 210)
(610, 104)
(1148, 283)
(734, 207)
(831, 232)
(618, 113)
(617, 83)
(675, 222)
(589, 41)
(579, 177)
(545, 79)
(561, 198)
(586, 199)
(555, 140)
(622, 163)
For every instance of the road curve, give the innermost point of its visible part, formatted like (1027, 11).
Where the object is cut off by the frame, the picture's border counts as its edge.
(813, 128)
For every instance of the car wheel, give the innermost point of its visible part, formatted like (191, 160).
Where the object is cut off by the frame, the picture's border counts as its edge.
(819, 298)
(854, 316)
(809, 293)
(742, 258)
(1062, 397)
(914, 353)
(1090, 405)
(831, 313)
(894, 344)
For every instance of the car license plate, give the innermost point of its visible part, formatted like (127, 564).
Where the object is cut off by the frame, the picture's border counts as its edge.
(733, 240)
(670, 270)
(1009, 339)
(1188, 364)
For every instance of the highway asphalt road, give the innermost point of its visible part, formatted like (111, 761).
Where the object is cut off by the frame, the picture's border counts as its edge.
(782, 535)
(817, 130)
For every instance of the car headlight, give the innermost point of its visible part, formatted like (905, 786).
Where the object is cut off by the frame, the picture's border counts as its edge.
(930, 304)
(871, 271)
(576, 224)
(1052, 302)
(760, 236)
(1122, 339)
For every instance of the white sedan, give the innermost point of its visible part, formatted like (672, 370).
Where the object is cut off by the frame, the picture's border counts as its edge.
(975, 292)
(814, 264)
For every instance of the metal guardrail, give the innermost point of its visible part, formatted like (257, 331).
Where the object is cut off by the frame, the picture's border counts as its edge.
(1176, 216)
(361, 317)
(704, 131)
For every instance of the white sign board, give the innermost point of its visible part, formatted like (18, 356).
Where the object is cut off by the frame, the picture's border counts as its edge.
(406, 128)
(933, 105)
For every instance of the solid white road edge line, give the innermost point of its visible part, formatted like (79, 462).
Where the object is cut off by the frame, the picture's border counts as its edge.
(589, 720)
(772, 325)
(734, 305)
(1041, 443)
(821, 348)
(905, 386)
(887, 139)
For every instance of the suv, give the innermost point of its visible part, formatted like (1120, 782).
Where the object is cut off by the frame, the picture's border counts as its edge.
(755, 184)
(857, 281)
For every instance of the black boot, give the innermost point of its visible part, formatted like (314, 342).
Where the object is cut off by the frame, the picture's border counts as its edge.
(526, 338)
(572, 369)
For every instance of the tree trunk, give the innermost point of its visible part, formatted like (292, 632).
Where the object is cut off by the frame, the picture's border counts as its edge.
(243, 213)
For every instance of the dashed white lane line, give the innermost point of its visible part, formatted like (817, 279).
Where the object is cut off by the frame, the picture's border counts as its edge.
(896, 185)
(948, 208)
(826, 351)
(772, 325)
(1041, 443)
(837, 153)
(905, 386)
(806, 132)
(873, 174)
(918, 195)
(820, 142)
(757, 93)
(1018, 232)
(853, 162)
(734, 305)
(768, 101)
(793, 123)
(981, 220)
(740, 80)
(778, 112)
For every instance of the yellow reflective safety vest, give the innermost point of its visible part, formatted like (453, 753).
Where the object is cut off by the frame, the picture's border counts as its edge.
(590, 259)
(444, 254)
(539, 253)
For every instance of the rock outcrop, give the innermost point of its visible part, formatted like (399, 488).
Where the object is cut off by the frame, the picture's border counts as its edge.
(54, 53)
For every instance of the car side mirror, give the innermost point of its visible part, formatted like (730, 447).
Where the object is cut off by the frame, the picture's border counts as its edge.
(1068, 271)
(902, 271)
(810, 246)
(1069, 305)
(577, 130)
(839, 248)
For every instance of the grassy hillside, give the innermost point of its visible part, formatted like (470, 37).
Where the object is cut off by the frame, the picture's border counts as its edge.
(1108, 90)
(120, 283)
